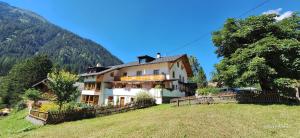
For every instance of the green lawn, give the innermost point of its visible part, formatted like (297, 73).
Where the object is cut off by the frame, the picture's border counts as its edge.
(222, 120)
(15, 123)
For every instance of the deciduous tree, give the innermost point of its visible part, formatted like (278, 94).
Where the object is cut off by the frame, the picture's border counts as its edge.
(258, 49)
(62, 85)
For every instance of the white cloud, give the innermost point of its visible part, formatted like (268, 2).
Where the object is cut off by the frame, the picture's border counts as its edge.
(276, 11)
(287, 14)
(280, 17)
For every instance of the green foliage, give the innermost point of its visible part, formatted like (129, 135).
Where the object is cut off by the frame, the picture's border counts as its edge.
(199, 76)
(144, 97)
(25, 34)
(22, 76)
(50, 107)
(258, 49)
(207, 90)
(33, 94)
(46, 107)
(62, 84)
(20, 105)
(158, 86)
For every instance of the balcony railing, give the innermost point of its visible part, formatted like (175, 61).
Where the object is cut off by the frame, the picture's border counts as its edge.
(90, 92)
(144, 78)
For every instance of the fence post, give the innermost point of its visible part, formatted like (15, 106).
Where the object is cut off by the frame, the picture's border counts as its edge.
(178, 102)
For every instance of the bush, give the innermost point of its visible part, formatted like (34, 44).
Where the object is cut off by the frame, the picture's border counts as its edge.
(144, 97)
(207, 90)
(49, 107)
(20, 105)
(33, 94)
(76, 106)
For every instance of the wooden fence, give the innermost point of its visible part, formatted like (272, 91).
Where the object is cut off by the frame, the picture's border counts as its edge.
(202, 100)
(38, 115)
(55, 117)
(265, 98)
(243, 98)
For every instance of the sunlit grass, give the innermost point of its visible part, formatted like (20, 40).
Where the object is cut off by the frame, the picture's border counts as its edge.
(15, 123)
(220, 120)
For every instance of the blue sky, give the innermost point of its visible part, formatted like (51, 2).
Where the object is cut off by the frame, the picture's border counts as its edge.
(128, 28)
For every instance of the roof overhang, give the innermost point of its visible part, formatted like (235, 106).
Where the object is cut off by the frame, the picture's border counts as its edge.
(184, 59)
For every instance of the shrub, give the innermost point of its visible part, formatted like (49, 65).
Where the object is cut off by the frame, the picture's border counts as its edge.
(144, 97)
(49, 107)
(20, 105)
(33, 95)
(158, 87)
(207, 90)
(84, 106)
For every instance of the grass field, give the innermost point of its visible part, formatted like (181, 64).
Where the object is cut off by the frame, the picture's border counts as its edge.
(222, 120)
(15, 123)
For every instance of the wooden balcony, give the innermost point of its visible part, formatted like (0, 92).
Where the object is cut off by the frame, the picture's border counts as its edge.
(144, 78)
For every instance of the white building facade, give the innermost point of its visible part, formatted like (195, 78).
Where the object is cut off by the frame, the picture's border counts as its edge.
(162, 77)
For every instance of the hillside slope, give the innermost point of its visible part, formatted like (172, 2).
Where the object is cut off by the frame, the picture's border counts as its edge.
(24, 34)
(218, 120)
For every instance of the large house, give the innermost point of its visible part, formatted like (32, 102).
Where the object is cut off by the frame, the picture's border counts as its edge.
(163, 77)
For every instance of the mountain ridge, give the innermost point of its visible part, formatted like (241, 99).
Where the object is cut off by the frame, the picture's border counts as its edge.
(25, 34)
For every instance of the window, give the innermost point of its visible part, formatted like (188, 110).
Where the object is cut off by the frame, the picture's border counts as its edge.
(139, 73)
(125, 74)
(183, 79)
(173, 74)
(156, 72)
(98, 86)
(179, 77)
(110, 99)
(178, 64)
(112, 74)
(142, 61)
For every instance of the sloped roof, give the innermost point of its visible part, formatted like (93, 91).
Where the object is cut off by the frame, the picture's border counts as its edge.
(136, 63)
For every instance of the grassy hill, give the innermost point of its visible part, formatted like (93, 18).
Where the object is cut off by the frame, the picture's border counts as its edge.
(222, 120)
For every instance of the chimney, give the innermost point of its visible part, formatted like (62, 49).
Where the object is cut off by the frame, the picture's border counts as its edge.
(98, 65)
(158, 55)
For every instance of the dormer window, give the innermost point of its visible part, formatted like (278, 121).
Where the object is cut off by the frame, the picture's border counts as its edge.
(142, 61)
(145, 59)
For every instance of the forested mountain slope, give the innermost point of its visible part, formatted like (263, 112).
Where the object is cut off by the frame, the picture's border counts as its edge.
(24, 34)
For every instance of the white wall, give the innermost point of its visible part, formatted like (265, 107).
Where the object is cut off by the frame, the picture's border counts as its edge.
(158, 94)
(178, 72)
(146, 69)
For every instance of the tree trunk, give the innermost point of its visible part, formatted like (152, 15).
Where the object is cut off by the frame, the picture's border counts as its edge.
(265, 87)
(297, 94)
(60, 106)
